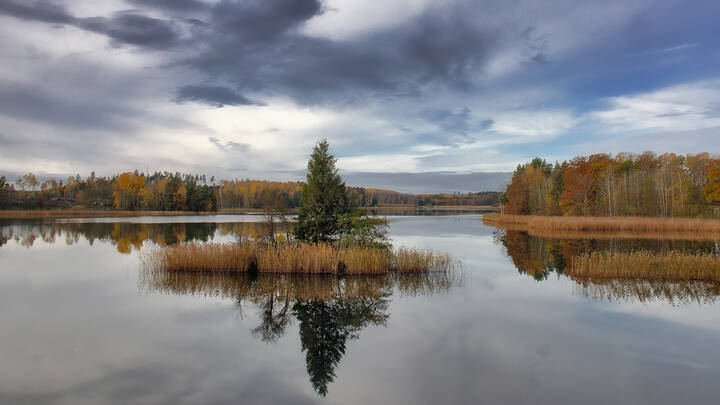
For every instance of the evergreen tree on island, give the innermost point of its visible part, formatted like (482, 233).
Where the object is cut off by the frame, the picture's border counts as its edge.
(324, 198)
(326, 214)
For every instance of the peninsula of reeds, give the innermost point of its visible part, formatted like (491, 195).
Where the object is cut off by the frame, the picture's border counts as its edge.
(646, 265)
(618, 224)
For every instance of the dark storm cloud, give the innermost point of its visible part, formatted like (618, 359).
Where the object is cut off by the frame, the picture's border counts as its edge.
(36, 11)
(269, 55)
(458, 122)
(217, 96)
(261, 20)
(36, 105)
(257, 46)
(133, 29)
(122, 28)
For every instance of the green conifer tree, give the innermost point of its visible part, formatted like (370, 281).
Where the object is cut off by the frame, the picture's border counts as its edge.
(324, 200)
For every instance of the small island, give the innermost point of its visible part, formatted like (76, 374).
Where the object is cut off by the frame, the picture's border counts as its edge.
(330, 236)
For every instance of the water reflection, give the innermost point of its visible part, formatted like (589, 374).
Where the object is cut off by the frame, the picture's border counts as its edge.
(125, 236)
(330, 311)
(539, 257)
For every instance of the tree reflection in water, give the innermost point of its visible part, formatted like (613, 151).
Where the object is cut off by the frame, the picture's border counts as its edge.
(330, 311)
(326, 325)
(539, 257)
(125, 236)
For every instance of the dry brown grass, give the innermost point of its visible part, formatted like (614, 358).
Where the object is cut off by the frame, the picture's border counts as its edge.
(626, 225)
(301, 258)
(646, 265)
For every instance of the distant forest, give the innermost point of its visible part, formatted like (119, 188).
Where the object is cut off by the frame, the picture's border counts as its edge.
(601, 185)
(164, 191)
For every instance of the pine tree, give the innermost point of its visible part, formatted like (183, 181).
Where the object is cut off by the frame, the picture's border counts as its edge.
(324, 201)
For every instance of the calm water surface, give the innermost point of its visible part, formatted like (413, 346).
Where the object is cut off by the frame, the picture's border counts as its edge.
(83, 323)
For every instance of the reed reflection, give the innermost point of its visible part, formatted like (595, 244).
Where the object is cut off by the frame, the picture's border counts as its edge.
(125, 236)
(539, 257)
(330, 311)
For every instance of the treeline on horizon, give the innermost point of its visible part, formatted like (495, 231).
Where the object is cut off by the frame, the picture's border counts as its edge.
(627, 184)
(165, 191)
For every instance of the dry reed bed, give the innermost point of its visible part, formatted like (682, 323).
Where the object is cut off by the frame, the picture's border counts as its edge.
(608, 235)
(603, 224)
(646, 265)
(301, 258)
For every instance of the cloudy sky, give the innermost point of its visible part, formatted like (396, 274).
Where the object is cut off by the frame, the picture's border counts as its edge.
(244, 88)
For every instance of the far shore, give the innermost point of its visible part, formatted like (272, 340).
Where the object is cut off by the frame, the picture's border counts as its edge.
(86, 213)
(89, 213)
(658, 226)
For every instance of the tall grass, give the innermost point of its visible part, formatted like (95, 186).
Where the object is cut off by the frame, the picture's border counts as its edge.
(642, 264)
(602, 224)
(295, 258)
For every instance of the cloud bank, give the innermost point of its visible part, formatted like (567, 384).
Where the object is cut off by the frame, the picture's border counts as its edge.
(245, 87)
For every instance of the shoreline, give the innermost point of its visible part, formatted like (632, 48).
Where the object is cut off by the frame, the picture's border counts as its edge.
(88, 213)
(70, 213)
(545, 225)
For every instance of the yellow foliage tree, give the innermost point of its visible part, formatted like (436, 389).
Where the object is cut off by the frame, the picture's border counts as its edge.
(712, 182)
(128, 189)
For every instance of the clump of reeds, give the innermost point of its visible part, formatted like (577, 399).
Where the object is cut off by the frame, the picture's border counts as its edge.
(411, 260)
(302, 258)
(603, 224)
(642, 264)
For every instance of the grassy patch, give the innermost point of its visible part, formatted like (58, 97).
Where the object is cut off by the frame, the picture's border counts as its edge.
(303, 258)
(646, 265)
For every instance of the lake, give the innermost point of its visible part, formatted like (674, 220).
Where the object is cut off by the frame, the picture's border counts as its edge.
(85, 323)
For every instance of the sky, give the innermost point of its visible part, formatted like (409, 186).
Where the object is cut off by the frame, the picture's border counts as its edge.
(245, 88)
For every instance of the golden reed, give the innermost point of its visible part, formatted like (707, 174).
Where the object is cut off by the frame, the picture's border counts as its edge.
(605, 224)
(302, 258)
(642, 264)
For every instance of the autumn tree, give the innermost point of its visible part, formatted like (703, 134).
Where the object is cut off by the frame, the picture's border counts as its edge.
(712, 185)
(128, 190)
(627, 184)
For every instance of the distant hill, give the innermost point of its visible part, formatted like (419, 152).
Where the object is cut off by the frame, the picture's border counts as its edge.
(430, 182)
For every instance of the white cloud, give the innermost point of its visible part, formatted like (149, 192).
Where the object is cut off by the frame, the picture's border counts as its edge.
(683, 107)
(533, 124)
